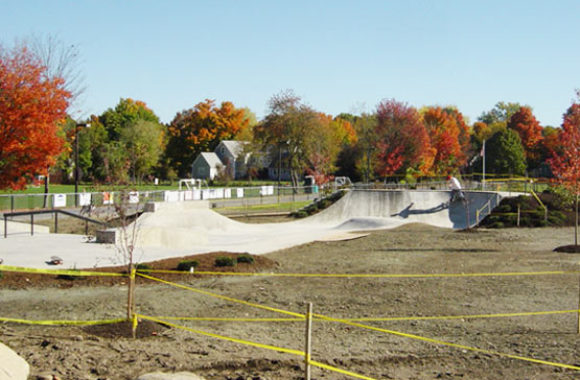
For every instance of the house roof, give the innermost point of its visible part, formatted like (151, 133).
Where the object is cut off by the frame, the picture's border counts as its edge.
(234, 147)
(211, 158)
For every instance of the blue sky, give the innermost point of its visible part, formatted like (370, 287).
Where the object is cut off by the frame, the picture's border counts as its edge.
(339, 56)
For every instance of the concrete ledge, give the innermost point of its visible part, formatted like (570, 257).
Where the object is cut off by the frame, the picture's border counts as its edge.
(107, 236)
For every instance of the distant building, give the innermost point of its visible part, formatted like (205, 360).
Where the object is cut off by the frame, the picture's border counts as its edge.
(207, 165)
(233, 157)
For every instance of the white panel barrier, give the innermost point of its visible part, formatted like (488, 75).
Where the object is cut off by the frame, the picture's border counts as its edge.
(171, 196)
(134, 197)
(227, 193)
(239, 193)
(59, 200)
(84, 199)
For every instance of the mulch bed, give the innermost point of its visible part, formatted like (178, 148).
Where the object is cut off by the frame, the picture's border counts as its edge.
(568, 249)
(12, 280)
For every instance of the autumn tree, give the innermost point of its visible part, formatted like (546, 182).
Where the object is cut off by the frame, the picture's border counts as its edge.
(31, 105)
(200, 129)
(449, 138)
(565, 163)
(402, 141)
(292, 127)
(333, 134)
(530, 131)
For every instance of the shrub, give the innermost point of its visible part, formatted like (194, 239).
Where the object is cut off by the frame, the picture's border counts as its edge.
(69, 277)
(186, 265)
(300, 214)
(143, 267)
(224, 261)
(245, 259)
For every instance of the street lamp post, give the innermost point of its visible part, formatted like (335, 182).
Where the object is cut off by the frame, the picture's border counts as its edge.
(76, 173)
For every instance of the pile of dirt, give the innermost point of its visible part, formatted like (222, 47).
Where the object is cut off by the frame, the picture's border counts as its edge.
(206, 262)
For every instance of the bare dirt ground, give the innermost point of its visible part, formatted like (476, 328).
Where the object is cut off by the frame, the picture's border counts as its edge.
(76, 352)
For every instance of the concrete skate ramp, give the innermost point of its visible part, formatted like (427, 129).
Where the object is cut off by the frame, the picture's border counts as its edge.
(186, 228)
(193, 224)
(360, 209)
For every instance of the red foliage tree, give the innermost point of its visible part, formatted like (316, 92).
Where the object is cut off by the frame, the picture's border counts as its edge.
(525, 124)
(31, 106)
(449, 138)
(565, 162)
(402, 140)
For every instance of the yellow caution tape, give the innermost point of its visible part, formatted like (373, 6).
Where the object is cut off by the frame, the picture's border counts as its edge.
(217, 319)
(62, 322)
(236, 340)
(454, 345)
(355, 324)
(467, 316)
(259, 345)
(222, 297)
(72, 272)
(375, 319)
(334, 369)
(373, 275)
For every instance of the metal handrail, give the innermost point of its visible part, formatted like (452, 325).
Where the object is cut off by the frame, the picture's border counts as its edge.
(53, 211)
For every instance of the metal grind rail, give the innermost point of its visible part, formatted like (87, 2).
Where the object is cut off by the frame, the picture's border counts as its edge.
(55, 212)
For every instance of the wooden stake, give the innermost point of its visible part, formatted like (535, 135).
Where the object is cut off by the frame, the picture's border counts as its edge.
(308, 349)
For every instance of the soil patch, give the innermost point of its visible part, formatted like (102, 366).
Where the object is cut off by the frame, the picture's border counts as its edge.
(105, 352)
(12, 280)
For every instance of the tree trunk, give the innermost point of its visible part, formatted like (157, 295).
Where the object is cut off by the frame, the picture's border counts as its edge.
(576, 225)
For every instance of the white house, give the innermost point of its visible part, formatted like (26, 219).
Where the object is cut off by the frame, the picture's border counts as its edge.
(233, 157)
(206, 165)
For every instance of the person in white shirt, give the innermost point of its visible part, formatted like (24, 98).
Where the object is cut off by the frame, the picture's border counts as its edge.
(455, 186)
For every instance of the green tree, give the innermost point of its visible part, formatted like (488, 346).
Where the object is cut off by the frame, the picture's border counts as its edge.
(365, 151)
(127, 112)
(143, 142)
(505, 154)
(500, 113)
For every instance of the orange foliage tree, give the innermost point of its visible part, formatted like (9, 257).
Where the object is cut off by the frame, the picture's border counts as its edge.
(525, 124)
(200, 129)
(402, 140)
(449, 138)
(331, 136)
(565, 162)
(31, 106)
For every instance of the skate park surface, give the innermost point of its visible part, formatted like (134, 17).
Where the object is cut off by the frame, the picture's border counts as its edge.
(186, 228)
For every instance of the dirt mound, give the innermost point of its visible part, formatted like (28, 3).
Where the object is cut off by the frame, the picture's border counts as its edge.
(206, 262)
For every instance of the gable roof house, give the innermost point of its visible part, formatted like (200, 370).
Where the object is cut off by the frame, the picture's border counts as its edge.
(233, 157)
(206, 166)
